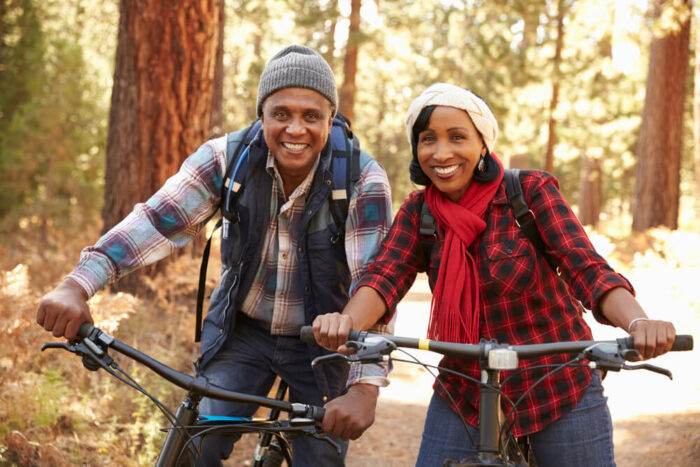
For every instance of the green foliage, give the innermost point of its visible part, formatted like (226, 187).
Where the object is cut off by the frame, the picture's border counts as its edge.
(52, 120)
(49, 395)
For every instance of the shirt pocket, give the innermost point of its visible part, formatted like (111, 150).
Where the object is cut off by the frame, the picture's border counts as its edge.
(511, 266)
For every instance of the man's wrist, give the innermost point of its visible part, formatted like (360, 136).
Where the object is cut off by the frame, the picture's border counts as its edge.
(365, 389)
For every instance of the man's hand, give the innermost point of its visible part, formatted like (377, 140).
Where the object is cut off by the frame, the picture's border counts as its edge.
(349, 415)
(331, 331)
(64, 309)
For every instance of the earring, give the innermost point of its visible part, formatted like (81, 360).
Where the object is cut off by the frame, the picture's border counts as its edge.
(481, 166)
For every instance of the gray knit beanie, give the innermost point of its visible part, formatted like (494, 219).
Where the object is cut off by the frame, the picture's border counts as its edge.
(297, 66)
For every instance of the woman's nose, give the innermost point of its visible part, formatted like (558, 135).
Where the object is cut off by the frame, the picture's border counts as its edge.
(442, 152)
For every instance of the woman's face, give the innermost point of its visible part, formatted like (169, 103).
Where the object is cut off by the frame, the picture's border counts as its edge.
(449, 149)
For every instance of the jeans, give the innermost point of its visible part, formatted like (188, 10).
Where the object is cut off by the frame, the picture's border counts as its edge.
(580, 438)
(248, 363)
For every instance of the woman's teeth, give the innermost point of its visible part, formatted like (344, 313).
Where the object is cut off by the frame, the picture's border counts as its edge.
(446, 170)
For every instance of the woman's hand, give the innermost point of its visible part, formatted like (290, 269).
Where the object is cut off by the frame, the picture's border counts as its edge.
(331, 331)
(652, 337)
(361, 312)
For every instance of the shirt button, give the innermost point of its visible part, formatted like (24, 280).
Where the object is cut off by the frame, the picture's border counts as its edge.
(284, 255)
(308, 212)
(510, 250)
(281, 294)
(306, 288)
(299, 249)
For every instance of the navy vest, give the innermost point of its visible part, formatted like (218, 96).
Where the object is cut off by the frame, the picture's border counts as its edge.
(321, 257)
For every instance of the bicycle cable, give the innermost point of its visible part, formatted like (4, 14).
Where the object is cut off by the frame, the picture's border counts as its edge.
(512, 411)
(428, 367)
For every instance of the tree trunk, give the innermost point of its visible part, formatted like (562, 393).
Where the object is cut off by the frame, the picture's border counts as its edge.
(696, 110)
(161, 99)
(657, 188)
(552, 124)
(347, 90)
(590, 191)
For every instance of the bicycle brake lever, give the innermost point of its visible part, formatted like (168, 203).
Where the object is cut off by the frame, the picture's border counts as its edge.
(654, 368)
(328, 440)
(57, 345)
(372, 349)
(328, 358)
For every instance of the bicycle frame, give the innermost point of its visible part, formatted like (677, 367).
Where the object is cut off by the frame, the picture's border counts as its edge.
(494, 358)
(186, 425)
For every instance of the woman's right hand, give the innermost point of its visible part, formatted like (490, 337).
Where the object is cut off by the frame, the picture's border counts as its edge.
(331, 331)
(64, 309)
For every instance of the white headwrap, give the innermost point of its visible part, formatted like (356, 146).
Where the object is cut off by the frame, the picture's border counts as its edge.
(453, 96)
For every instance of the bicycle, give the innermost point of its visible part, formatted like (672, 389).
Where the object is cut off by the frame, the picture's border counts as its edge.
(187, 426)
(496, 445)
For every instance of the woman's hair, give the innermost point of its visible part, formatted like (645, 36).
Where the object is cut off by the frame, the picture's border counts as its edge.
(491, 169)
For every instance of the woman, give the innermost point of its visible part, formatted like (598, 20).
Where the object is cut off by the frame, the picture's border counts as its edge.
(489, 282)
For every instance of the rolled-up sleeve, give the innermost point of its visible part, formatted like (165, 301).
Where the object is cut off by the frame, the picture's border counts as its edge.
(154, 229)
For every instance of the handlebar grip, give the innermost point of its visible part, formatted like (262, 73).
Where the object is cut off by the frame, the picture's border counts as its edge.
(85, 330)
(306, 334)
(318, 414)
(682, 342)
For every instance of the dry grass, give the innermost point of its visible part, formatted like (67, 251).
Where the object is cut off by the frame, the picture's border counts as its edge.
(54, 412)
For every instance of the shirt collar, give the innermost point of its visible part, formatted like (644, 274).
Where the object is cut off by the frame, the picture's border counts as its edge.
(303, 188)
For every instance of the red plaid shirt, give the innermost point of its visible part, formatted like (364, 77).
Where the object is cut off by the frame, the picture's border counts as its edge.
(523, 301)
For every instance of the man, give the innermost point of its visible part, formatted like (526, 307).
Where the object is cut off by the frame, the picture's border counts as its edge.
(282, 263)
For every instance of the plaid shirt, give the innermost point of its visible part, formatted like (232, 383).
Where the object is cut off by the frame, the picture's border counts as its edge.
(188, 199)
(523, 301)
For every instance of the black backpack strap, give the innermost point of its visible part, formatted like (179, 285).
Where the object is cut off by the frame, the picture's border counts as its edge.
(202, 285)
(524, 216)
(428, 232)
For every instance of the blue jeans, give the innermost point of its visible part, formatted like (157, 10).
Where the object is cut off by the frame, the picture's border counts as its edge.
(581, 438)
(248, 363)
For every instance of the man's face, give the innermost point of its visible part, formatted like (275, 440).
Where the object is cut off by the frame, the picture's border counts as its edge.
(296, 123)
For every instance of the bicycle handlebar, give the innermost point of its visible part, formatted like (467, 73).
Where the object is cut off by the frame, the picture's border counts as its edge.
(476, 351)
(92, 336)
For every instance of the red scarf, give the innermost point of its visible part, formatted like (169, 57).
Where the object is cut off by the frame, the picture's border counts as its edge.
(454, 311)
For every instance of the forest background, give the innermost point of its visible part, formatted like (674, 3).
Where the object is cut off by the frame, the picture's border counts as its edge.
(100, 101)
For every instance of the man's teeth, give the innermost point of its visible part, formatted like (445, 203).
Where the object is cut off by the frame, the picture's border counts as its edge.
(294, 147)
(446, 170)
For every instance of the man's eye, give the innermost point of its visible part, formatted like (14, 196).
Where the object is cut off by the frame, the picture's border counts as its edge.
(312, 116)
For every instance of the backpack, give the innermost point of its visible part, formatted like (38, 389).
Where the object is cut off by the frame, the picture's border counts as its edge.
(524, 218)
(345, 170)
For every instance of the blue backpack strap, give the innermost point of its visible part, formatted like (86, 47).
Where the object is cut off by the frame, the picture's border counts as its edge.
(345, 169)
(236, 170)
(236, 165)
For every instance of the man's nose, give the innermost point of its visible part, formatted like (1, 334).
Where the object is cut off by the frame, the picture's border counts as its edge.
(296, 126)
